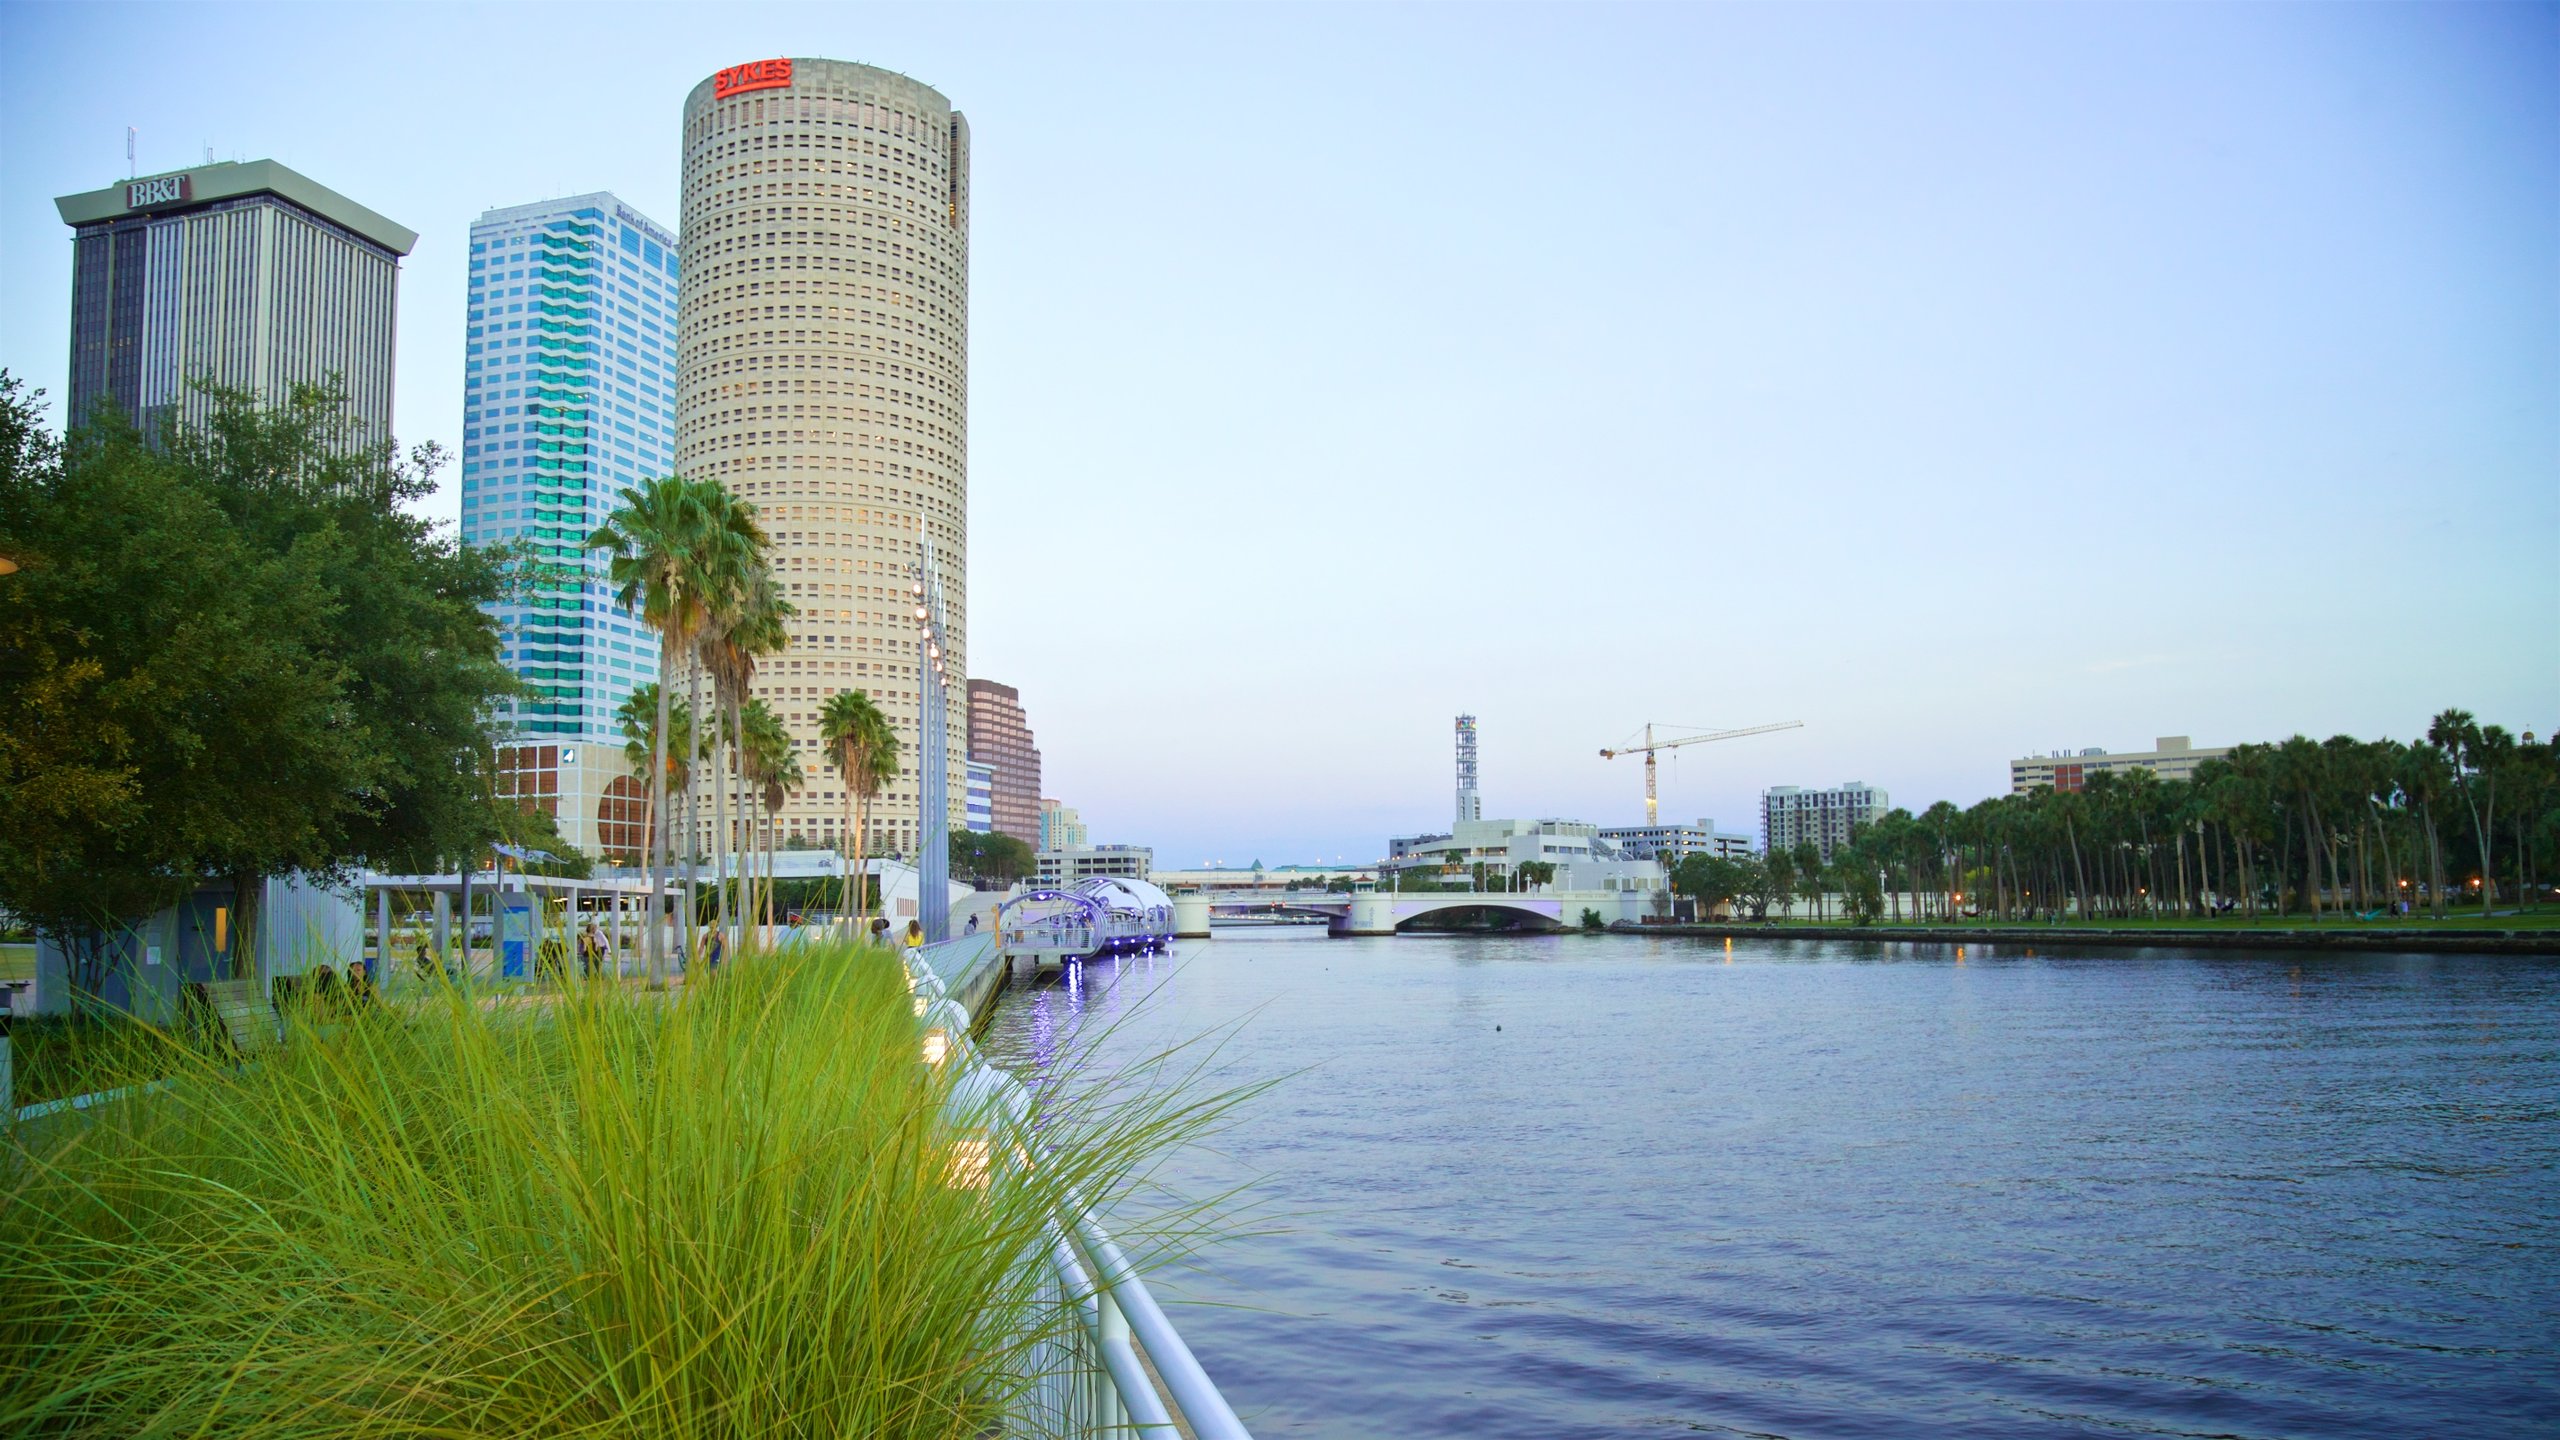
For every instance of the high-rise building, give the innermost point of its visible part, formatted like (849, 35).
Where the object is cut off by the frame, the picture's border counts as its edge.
(2171, 757)
(1790, 817)
(568, 393)
(248, 275)
(1061, 828)
(1470, 802)
(1000, 735)
(823, 377)
(982, 798)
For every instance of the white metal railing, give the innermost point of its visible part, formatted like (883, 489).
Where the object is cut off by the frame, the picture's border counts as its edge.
(1089, 1377)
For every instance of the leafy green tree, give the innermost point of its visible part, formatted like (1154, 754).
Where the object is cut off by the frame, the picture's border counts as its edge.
(996, 856)
(230, 653)
(528, 827)
(1810, 879)
(1779, 867)
(1711, 880)
(1862, 894)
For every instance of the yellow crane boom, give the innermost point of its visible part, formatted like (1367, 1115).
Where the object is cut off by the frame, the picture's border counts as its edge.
(1652, 806)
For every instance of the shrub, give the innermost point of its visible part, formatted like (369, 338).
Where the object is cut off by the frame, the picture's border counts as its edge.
(1591, 919)
(733, 1212)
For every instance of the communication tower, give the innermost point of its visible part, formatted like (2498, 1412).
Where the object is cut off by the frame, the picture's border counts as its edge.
(1470, 804)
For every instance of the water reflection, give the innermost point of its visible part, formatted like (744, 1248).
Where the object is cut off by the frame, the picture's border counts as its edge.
(1557, 1185)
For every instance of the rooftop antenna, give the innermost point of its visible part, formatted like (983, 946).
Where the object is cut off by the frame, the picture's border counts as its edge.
(129, 170)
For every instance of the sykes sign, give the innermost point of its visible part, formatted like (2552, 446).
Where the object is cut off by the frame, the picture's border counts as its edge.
(754, 75)
(167, 190)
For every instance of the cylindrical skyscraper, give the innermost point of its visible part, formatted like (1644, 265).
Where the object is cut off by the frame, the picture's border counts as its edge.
(824, 377)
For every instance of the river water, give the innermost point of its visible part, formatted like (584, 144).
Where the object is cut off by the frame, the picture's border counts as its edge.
(1564, 1186)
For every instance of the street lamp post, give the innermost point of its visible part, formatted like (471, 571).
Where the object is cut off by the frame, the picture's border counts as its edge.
(933, 743)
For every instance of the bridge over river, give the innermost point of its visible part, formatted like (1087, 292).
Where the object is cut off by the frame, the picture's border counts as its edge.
(1383, 912)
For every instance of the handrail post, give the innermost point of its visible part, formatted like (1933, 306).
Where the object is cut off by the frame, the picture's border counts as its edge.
(1113, 1330)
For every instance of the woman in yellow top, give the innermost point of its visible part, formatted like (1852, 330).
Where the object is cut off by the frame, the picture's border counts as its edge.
(915, 934)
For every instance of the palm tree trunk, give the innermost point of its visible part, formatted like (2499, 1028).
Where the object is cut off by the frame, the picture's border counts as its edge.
(2072, 832)
(2435, 863)
(2318, 844)
(657, 825)
(861, 841)
(2524, 880)
(721, 847)
(736, 784)
(2487, 830)
(692, 775)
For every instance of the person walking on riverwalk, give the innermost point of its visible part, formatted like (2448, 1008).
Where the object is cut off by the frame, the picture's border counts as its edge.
(915, 934)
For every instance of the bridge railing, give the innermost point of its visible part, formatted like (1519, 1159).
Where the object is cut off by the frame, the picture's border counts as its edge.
(1088, 1375)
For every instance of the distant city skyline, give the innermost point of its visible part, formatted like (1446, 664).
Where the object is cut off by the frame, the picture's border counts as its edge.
(1968, 383)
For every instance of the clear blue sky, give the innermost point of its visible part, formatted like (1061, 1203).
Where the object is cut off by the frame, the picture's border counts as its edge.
(1963, 382)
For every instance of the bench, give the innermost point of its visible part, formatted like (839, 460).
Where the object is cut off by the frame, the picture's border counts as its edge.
(235, 1010)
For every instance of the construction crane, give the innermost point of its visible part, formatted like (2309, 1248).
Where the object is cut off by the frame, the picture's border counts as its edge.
(1652, 805)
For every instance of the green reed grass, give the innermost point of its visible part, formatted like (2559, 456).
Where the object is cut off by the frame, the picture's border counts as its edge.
(726, 1213)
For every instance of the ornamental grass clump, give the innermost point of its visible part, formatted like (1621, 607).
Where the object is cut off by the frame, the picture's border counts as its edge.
(730, 1213)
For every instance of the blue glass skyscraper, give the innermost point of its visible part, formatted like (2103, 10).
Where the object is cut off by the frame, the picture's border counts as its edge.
(569, 396)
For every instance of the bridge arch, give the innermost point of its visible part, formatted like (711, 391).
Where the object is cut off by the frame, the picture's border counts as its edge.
(1477, 912)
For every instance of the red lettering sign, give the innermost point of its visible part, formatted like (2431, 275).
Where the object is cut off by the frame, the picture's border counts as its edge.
(754, 75)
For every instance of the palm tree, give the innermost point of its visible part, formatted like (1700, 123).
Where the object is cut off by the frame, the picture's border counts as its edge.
(864, 747)
(727, 547)
(763, 627)
(763, 747)
(2302, 771)
(788, 779)
(748, 619)
(638, 717)
(776, 765)
(1809, 877)
(654, 540)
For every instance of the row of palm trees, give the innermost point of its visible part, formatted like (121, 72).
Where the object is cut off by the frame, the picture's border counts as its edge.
(690, 559)
(2300, 827)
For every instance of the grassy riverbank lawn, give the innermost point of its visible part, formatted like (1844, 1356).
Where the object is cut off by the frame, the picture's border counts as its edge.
(2537, 919)
(736, 1212)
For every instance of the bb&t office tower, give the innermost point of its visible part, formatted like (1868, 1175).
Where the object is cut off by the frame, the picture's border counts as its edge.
(247, 274)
